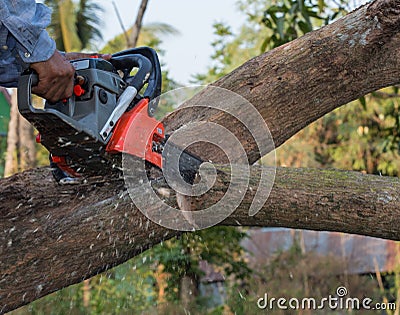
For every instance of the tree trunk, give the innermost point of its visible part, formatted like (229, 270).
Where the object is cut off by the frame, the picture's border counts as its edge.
(27, 149)
(43, 249)
(86, 293)
(21, 150)
(161, 279)
(11, 161)
(133, 38)
(188, 291)
(67, 17)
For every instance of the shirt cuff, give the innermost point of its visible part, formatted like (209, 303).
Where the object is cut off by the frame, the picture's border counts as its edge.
(43, 50)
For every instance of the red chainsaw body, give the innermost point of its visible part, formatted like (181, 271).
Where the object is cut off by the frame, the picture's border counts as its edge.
(137, 133)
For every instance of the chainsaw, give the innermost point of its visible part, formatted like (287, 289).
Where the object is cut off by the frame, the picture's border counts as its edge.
(111, 112)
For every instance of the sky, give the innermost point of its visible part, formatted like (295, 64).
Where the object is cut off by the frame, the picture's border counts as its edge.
(188, 53)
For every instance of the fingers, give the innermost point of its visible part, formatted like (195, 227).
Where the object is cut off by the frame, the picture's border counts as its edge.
(56, 78)
(77, 55)
(55, 89)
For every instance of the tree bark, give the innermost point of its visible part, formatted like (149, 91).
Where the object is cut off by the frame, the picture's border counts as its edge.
(56, 236)
(53, 236)
(133, 38)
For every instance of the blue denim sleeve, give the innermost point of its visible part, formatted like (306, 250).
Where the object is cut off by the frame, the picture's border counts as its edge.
(23, 38)
(26, 20)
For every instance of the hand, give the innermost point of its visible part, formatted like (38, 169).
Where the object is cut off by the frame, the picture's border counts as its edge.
(56, 75)
(56, 78)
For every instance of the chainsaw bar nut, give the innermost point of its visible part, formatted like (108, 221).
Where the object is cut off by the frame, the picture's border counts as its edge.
(103, 96)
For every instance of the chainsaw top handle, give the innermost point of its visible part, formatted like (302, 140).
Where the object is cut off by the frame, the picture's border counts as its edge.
(126, 64)
(122, 61)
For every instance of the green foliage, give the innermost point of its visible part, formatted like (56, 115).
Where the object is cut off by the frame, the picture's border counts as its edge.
(132, 288)
(128, 286)
(363, 136)
(269, 25)
(231, 50)
(289, 19)
(74, 26)
(54, 28)
(3, 149)
(390, 286)
(353, 137)
(219, 246)
(150, 35)
(88, 22)
(63, 302)
(127, 289)
(367, 138)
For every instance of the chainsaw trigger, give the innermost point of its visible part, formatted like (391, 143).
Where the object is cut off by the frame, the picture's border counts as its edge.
(78, 90)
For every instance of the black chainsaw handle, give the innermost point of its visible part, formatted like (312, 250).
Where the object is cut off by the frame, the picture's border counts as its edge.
(127, 63)
(153, 90)
(25, 83)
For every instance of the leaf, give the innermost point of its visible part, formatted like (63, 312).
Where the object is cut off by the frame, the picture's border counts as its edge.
(279, 25)
(321, 5)
(265, 43)
(267, 23)
(301, 5)
(304, 27)
(363, 102)
(314, 14)
(306, 17)
(293, 9)
(273, 9)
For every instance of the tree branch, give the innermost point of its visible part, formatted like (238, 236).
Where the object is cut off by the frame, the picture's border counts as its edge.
(133, 38)
(301, 81)
(46, 244)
